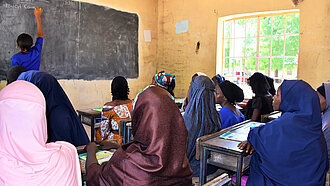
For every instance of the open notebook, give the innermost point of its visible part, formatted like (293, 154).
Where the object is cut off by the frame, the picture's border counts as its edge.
(101, 156)
(240, 134)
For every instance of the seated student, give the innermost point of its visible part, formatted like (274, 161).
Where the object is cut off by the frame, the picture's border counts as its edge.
(227, 94)
(261, 103)
(28, 57)
(63, 122)
(118, 109)
(25, 156)
(186, 100)
(201, 117)
(324, 95)
(164, 80)
(290, 150)
(14, 72)
(156, 156)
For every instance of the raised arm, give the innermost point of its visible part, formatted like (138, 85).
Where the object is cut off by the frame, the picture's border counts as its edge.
(37, 13)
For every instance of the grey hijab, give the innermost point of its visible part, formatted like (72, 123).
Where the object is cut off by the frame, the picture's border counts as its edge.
(201, 117)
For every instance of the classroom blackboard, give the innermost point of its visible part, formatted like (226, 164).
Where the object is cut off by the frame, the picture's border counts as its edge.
(81, 40)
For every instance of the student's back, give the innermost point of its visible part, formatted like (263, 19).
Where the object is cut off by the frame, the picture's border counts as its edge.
(261, 103)
(25, 157)
(157, 154)
(63, 122)
(28, 56)
(201, 117)
(31, 59)
(290, 150)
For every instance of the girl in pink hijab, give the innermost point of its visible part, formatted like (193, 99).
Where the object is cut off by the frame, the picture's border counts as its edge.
(25, 157)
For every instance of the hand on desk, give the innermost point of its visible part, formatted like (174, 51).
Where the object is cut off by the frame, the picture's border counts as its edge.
(245, 145)
(93, 147)
(107, 145)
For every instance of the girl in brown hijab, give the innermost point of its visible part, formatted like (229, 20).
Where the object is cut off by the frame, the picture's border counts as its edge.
(156, 156)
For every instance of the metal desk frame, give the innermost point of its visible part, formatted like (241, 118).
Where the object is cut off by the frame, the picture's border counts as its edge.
(91, 115)
(205, 148)
(203, 163)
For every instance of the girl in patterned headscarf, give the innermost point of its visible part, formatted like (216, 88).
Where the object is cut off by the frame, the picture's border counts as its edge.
(165, 80)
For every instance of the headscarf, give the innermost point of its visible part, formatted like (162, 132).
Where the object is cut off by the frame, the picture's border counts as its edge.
(326, 116)
(321, 90)
(201, 117)
(259, 84)
(14, 72)
(157, 155)
(232, 92)
(218, 78)
(25, 157)
(270, 81)
(63, 122)
(164, 80)
(290, 150)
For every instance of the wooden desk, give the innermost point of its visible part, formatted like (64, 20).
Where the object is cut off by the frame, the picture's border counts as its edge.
(179, 102)
(89, 117)
(213, 143)
(270, 117)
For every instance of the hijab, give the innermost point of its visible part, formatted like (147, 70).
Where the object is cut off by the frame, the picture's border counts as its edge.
(218, 78)
(166, 81)
(231, 91)
(157, 155)
(259, 84)
(201, 117)
(290, 150)
(25, 157)
(326, 117)
(63, 122)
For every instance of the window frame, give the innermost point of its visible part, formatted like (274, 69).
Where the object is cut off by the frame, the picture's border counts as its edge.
(222, 41)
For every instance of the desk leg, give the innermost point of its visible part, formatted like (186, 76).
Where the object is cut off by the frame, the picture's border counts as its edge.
(125, 133)
(93, 129)
(128, 137)
(203, 166)
(239, 170)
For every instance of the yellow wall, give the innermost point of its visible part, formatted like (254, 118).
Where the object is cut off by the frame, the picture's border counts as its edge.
(89, 94)
(176, 52)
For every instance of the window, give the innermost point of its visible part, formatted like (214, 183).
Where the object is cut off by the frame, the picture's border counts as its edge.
(267, 43)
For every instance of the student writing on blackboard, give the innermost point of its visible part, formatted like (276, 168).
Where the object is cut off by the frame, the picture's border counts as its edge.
(28, 56)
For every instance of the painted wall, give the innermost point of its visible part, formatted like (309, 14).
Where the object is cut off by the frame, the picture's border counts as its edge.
(176, 53)
(89, 94)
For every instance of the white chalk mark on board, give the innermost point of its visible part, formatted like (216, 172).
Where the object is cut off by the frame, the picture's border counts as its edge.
(147, 35)
(181, 27)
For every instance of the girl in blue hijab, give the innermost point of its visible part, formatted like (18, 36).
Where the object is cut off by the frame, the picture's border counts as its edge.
(201, 117)
(290, 150)
(63, 124)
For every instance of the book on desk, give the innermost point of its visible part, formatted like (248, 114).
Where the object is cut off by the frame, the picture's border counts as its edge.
(101, 156)
(240, 133)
